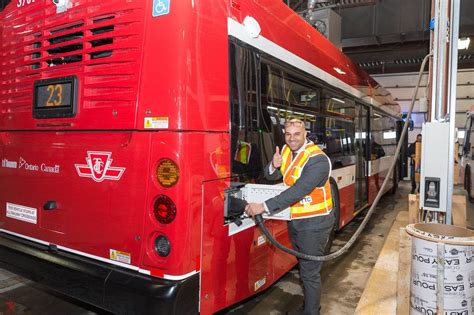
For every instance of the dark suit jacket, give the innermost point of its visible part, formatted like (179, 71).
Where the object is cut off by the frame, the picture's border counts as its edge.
(314, 174)
(411, 149)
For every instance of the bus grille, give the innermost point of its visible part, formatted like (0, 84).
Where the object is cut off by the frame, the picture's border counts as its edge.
(97, 40)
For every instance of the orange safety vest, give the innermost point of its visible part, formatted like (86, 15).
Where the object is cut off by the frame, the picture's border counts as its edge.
(316, 203)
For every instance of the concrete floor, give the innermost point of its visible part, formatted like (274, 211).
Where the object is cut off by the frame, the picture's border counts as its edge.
(344, 279)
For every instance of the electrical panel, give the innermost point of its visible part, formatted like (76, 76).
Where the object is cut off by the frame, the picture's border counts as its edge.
(261, 193)
(251, 193)
(434, 166)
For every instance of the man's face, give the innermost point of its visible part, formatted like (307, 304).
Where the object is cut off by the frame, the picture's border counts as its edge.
(418, 138)
(295, 134)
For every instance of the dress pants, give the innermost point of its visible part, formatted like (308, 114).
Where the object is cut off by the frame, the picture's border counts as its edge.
(310, 236)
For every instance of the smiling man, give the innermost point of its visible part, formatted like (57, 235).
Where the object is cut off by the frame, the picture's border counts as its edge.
(305, 169)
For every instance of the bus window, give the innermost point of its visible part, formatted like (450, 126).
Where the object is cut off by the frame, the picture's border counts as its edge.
(286, 96)
(467, 137)
(339, 141)
(337, 105)
(317, 133)
(249, 126)
(383, 138)
(469, 147)
(279, 88)
(290, 96)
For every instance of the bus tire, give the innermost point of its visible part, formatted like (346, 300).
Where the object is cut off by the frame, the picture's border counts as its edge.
(335, 212)
(468, 184)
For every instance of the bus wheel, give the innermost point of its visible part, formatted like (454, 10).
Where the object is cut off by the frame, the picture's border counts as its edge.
(336, 212)
(468, 183)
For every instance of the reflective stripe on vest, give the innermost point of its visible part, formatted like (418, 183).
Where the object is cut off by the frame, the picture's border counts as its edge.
(317, 202)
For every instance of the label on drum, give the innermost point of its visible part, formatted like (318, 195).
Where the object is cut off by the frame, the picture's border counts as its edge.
(458, 286)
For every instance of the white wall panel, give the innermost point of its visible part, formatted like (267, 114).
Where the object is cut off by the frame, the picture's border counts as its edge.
(401, 86)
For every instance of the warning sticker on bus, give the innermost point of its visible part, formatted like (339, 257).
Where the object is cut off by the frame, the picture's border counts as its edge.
(22, 213)
(260, 283)
(119, 256)
(156, 123)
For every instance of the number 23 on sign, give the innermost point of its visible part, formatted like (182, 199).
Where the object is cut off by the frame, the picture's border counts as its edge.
(55, 95)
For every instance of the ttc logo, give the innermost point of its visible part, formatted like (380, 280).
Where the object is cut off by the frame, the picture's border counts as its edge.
(98, 167)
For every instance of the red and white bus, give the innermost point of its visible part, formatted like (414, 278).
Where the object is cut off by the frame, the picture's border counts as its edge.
(122, 123)
(466, 169)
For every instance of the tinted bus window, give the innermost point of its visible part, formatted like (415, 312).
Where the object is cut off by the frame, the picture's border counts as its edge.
(249, 126)
(281, 88)
(337, 104)
(383, 139)
(467, 137)
(326, 114)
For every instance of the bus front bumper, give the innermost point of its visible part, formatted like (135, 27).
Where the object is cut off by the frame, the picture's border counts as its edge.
(102, 285)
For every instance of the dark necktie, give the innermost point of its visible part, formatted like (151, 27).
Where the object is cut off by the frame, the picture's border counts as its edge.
(294, 155)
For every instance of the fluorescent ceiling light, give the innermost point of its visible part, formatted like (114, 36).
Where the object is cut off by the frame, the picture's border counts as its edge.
(338, 100)
(463, 43)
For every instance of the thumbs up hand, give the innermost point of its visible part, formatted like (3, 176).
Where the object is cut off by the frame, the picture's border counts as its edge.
(276, 162)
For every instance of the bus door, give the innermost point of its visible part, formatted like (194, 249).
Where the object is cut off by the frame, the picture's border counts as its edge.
(362, 134)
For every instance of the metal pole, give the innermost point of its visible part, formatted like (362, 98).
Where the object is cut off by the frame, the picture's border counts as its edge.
(434, 64)
(440, 38)
(452, 84)
(443, 93)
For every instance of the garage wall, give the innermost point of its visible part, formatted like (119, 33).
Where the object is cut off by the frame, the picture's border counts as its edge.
(401, 86)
